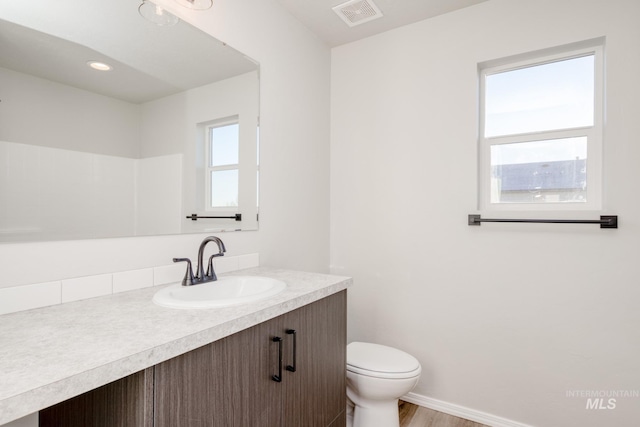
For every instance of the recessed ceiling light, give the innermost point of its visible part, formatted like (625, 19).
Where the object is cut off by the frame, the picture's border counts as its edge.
(100, 66)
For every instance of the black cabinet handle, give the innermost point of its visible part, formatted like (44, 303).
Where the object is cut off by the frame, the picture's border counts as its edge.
(278, 378)
(292, 368)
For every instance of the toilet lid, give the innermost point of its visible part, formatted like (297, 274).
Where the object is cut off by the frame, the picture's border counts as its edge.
(380, 360)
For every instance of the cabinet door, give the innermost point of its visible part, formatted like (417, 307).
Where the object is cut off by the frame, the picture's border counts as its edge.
(315, 394)
(227, 383)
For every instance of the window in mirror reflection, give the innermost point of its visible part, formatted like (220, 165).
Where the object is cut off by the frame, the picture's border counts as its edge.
(223, 166)
(224, 188)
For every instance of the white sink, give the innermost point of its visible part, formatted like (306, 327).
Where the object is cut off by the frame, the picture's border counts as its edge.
(224, 292)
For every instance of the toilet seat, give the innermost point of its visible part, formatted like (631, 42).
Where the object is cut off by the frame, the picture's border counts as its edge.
(380, 361)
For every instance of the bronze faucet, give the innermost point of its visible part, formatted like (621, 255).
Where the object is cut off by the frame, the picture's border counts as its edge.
(201, 276)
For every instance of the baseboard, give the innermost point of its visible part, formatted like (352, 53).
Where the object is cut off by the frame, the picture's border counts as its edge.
(460, 411)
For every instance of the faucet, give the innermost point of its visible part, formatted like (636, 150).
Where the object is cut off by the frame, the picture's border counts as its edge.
(210, 276)
(200, 276)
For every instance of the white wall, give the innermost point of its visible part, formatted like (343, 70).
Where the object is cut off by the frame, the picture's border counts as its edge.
(50, 193)
(40, 112)
(507, 318)
(294, 193)
(158, 195)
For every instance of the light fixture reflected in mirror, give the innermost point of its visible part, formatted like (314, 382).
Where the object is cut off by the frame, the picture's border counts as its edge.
(157, 14)
(99, 66)
(195, 4)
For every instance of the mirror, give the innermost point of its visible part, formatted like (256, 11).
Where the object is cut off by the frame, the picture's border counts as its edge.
(170, 131)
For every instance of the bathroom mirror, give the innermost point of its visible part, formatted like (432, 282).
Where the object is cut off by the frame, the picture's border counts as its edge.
(170, 131)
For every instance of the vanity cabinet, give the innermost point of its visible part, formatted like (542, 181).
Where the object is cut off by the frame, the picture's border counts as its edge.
(243, 380)
(232, 382)
(122, 403)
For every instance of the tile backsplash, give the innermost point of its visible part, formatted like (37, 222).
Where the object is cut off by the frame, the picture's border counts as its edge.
(37, 295)
(86, 287)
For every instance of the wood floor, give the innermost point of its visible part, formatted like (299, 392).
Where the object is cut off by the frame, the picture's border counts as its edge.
(416, 416)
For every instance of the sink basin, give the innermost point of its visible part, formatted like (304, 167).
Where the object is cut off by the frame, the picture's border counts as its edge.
(224, 292)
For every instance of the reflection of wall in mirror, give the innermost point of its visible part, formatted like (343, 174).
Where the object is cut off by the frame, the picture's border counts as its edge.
(165, 132)
(41, 112)
(129, 161)
(52, 194)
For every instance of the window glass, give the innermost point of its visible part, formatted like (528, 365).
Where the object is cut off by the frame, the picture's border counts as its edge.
(555, 95)
(224, 144)
(224, 188)
(539, 171)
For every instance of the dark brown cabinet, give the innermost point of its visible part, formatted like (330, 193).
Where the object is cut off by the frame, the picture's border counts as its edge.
(315, 394)
(226, 383)
(232, 382)
(122, 403)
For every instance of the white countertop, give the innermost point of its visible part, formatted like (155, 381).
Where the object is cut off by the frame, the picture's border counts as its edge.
(51, 354)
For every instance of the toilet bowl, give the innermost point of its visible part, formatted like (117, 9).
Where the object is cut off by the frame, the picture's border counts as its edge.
(377, 376)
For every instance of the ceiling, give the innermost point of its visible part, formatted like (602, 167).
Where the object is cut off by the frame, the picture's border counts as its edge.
(318, 16)
(31, 42)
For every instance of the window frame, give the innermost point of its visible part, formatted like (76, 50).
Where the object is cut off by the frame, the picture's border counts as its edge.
(594, 134)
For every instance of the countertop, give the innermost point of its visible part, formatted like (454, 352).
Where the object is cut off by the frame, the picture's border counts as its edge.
(51, 354)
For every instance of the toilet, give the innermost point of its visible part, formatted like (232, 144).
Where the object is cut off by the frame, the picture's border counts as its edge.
(377, 376)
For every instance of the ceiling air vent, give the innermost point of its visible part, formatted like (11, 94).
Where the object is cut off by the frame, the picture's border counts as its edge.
(356, 12)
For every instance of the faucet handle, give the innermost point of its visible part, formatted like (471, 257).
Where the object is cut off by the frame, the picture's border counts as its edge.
(188, 275)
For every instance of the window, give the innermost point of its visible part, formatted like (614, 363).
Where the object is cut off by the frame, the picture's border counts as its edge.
(541, 119)
(222, 154)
